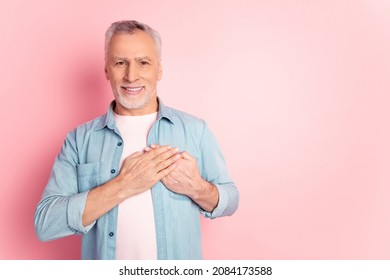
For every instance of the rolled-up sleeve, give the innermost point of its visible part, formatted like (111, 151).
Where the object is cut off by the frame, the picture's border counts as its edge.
(213, 169)
(59, 212)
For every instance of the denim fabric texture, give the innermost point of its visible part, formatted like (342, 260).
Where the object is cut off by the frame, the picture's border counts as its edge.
(90, 156)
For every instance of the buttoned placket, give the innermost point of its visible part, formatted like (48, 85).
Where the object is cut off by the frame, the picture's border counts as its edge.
(113, 213)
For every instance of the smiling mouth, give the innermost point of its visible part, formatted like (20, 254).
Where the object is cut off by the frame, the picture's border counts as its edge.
(133, 90)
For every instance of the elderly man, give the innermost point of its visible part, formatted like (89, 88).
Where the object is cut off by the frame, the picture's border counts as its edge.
(134, 180)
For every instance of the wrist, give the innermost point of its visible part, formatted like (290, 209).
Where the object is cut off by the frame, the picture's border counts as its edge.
(119, 183)
(200, 188)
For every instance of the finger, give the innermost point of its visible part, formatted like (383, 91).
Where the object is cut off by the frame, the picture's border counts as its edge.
(147, 149)
(153, 146)
(154, 152)
(163, 153)
(187, 155)
(167, 162)
(136, 154)
(166, 171)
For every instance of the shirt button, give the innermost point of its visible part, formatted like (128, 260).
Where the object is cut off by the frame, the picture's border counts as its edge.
(119, 144)
(112, 171)
(111, 234)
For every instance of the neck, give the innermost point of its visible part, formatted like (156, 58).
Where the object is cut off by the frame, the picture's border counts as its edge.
(150, 108)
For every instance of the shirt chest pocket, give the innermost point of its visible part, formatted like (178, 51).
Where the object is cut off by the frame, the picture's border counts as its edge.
(88, 175)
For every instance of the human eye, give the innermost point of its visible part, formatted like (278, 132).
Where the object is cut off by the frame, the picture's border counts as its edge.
(120, 63)
(144, 62)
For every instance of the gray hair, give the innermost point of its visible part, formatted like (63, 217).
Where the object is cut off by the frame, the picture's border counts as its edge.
(129, 27)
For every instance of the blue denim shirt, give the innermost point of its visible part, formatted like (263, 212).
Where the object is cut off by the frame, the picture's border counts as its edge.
(91, 156)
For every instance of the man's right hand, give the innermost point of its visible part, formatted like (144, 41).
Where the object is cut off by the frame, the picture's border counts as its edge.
(139, 172)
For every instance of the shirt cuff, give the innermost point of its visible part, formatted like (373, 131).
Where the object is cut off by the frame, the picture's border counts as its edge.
(221, 206)
(76, 206)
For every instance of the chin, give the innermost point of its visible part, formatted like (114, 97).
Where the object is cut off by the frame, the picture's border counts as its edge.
(138, 102)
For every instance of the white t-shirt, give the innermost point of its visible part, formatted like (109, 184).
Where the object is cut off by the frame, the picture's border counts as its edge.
(136, 233)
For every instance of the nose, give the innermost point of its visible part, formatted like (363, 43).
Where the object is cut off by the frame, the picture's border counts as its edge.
(132, 73)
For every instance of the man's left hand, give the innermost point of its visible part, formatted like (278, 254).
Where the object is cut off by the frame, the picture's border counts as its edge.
(185, 179)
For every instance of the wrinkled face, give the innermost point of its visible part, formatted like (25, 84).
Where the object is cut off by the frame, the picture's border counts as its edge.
(133, 69)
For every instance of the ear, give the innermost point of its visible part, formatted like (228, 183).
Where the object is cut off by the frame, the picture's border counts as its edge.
(106, 73)
(159, 71)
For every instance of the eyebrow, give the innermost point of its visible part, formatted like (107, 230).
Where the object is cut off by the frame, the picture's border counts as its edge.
(137, 58)
(119, 58)
(144, 58)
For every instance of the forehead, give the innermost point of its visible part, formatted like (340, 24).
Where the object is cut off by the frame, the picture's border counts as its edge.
(138, 43)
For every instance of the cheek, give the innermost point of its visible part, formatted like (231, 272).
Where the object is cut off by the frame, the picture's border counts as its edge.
(154, 75)
(115, 76)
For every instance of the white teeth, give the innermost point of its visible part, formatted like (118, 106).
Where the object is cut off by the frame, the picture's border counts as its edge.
(133, 88)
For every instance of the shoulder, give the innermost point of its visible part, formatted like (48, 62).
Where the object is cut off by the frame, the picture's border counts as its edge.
(178, 117)
(87, 128)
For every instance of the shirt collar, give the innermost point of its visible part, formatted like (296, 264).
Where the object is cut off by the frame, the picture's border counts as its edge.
(109, 120)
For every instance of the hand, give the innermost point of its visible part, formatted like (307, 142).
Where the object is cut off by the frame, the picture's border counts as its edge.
(140, 171)
(185, 179)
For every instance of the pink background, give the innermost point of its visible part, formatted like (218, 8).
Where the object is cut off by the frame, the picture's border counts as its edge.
(296, 92)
